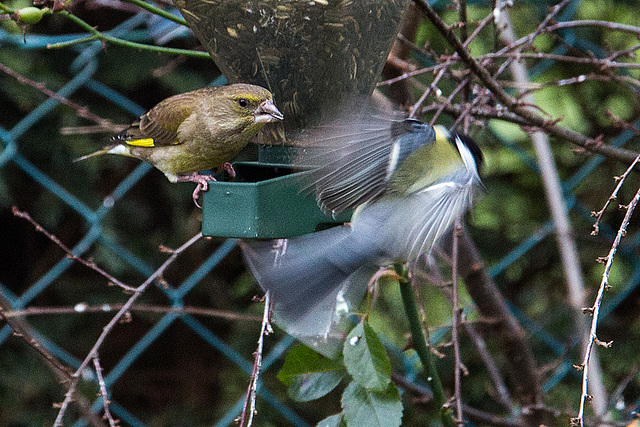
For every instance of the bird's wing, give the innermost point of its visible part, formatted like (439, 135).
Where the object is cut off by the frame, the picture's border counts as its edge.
(416, 222)
(352, 157)
(159, 126)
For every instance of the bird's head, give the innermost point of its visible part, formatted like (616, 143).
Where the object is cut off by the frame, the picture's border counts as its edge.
(251, 104)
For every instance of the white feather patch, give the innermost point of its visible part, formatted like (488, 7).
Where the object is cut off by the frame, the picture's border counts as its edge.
(120, 149)
(467, 158)
(393, 159)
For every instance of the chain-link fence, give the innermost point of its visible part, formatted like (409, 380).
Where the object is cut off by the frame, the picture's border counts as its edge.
(95, 217)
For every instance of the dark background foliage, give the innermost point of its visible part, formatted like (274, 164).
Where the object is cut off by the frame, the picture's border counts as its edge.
(180, 379)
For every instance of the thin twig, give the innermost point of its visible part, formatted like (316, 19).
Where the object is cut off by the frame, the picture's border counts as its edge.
(615, 26)
(107, 329)
(433, 87)
(529, 38)
(250, 398)
(107, 308)
(80, 110)
(455, 321)
(403, 76)
(453, 93)
(620, 179)
(595, 309)
(466, 91)
(485, 112)
(502, 391)
(103, 392)
(474, 414)
(596, 62)
(479, 99)
(22, 329)
(63, 373)
(511, 337)
(435, 277)
(90, 264)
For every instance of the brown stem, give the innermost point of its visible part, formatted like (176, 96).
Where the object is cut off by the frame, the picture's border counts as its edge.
(521, 365)
(455, 321)
(512, 103)
(22, 329)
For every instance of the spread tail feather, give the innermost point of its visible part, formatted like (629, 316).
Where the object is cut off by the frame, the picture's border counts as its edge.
(120, 149)
(315, 281)
(301, 272)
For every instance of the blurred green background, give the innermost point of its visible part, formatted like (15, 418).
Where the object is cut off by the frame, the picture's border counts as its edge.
(175, 377)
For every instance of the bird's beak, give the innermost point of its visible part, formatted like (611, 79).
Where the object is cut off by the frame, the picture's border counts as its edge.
(267, 113)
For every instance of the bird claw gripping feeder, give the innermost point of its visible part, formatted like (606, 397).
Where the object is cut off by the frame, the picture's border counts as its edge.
(311, 55)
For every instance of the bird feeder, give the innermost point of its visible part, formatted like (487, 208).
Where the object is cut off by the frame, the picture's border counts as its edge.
(311, 55)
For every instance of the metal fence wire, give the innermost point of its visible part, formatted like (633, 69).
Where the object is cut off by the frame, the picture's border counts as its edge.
(85, 62)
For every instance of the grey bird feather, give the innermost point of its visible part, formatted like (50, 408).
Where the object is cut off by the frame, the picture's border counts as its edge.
(407, 182)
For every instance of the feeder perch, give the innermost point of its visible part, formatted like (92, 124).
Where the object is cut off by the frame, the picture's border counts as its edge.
(311, 55)
(268, 205)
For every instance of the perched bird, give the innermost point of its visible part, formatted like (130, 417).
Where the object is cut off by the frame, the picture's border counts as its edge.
(195, 131)
(407, 181)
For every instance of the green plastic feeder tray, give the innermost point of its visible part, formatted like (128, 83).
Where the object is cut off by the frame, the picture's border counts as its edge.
(264, 202)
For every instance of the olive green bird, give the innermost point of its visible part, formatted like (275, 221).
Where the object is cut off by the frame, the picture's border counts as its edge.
(195, 131)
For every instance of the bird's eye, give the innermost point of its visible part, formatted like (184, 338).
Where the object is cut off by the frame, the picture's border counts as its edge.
(242, 102)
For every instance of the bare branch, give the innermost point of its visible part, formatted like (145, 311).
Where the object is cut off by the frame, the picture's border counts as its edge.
(620, 179)
(513, 104)
(90, 264)
(80, 110)
(595, 308)
(107, 308)
(250, 398)
(108, 328)
(103, 392)
(22, 329)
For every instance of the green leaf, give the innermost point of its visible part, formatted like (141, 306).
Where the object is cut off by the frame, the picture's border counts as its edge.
(306, 387)
(302, 360)
(365, 358)
(362, 407)
(332, 421)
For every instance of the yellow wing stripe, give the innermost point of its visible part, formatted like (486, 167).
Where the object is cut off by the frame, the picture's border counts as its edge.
(145, 142)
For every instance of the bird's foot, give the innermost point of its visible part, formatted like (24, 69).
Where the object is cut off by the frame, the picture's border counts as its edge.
(228, 167)
(203, 185)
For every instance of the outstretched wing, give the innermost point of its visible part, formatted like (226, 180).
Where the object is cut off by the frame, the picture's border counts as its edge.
(355, 154)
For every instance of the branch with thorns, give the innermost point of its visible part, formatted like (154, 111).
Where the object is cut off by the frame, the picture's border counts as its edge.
(81, 110)
(124, 311)
(249, 407)
(90, 264)
(620, 179)
(514, 110)
(103, 393)
(594, 310)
